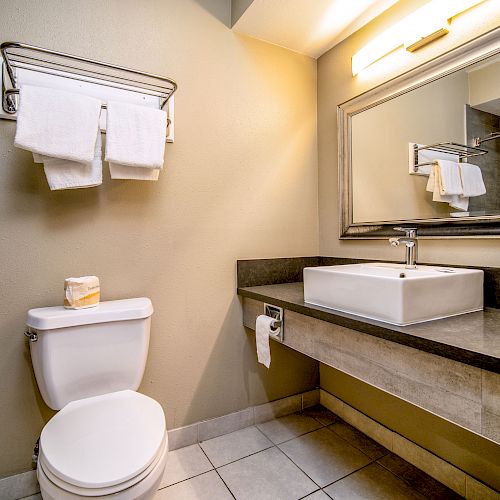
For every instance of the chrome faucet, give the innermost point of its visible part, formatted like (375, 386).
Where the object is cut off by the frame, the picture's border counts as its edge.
(411, 243)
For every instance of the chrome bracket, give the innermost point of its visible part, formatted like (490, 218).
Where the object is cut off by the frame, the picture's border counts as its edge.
(276, 313)
(31, 335)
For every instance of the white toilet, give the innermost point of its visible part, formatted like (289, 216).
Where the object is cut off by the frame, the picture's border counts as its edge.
(107, 441)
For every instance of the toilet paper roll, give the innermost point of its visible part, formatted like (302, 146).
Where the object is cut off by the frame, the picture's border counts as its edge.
(262, 333)
(80, 293)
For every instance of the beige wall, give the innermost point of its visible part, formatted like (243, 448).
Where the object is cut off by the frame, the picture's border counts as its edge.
(241, 173)
(336, 85)
(483, 84)
(382, 188)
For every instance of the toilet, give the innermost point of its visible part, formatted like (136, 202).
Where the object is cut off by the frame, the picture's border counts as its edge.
(107, 440)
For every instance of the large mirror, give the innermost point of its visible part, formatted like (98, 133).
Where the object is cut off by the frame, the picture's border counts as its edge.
(425, 149)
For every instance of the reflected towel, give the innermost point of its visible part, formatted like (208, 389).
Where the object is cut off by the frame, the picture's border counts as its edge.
(472, 180)
(433, 186)
(447, 174)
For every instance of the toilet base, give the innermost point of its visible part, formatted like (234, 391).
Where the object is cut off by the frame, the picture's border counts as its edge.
(143, 490)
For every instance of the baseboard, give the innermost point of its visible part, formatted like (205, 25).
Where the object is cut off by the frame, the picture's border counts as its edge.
(19, 486)
(446, 473)
(207, 429)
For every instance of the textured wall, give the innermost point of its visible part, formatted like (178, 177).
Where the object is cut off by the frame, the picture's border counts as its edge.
(240, 181)
(336, 85)
(482, 124)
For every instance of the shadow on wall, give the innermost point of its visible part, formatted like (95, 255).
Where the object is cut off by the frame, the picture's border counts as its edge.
(290, 372)
(221, 10)
(73, 207)
(45, 412)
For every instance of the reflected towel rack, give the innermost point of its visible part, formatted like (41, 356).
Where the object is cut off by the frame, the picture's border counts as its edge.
(17, 56)
(478, 140)
(460, 150)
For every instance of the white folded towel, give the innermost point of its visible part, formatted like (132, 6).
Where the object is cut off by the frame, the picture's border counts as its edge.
(65, 174)
(118, 171)
(135, 138)
(448, 177)
(434, 186)
(57, 123)
(472, 180)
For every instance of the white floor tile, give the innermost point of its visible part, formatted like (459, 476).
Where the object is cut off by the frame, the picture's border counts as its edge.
(267, 475)
(185, 463)
(225, 449)
(285, 428)
(208, 486)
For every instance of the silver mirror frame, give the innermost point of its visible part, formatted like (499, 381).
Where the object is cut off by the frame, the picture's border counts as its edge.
(480, 48)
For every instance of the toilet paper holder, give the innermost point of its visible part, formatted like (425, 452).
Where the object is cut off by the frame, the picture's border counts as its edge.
(276, 313)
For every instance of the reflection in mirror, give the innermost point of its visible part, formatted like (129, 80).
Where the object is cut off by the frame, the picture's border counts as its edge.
(462, 107)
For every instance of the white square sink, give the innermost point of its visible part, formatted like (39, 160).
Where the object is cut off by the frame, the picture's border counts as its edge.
(391, 293)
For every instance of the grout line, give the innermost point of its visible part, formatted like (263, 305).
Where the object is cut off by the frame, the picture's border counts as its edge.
(246, 456)
(347, 475)
(224, 483)
(204, 453)
(184, 480)
(402, 478)
(309, 494)
(294, 437)
(217, 472)
(298, 467)
(357, 447)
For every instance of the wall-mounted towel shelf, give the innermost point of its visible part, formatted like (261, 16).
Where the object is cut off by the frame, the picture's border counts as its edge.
(28, 64)
(454, 150)
(490, 137)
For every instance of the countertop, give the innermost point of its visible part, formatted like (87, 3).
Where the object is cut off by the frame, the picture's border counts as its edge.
(472, 338)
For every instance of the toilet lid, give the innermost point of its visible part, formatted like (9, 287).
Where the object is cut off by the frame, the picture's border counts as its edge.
(104, 440)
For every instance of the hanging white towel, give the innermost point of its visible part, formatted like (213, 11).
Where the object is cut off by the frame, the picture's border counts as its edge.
(472, 180)
(118, 171)
(434, 186)
(65, 174)
(57, 123)
(448, 177)
(135, 137)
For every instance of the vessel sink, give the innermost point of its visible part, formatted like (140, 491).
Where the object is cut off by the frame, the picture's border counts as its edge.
(394, 294)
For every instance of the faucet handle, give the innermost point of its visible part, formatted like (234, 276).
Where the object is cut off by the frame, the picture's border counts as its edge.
(411, 232)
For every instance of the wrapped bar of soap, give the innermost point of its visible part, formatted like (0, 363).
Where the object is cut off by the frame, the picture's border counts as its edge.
(82, 292)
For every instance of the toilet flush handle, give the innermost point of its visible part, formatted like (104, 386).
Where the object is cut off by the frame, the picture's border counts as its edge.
(31, 335)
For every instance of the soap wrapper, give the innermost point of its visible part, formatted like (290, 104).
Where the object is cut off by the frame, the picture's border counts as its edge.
(262, 332)
(83, 292)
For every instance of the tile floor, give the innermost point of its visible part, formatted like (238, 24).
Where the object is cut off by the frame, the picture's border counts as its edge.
(312, 454)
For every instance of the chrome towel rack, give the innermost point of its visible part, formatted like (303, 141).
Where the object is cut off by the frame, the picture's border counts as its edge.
(490, 137)
(462, 151)
(18, 55)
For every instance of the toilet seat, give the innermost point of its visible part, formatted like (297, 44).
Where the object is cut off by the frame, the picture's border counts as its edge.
(103, 444)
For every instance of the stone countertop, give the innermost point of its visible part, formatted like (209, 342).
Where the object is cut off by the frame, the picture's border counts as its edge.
(472, 338)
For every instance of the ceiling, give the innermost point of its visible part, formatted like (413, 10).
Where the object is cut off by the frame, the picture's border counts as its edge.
(309, 27)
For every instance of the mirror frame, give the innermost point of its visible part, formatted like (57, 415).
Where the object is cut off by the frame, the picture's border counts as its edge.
(476, 50)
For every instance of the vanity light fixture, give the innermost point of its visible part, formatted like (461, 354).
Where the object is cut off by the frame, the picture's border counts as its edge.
(423, 26)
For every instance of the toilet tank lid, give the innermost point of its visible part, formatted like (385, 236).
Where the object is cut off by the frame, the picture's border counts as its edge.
(49, 318)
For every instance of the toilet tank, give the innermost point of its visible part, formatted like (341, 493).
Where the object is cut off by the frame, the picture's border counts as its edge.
(88, 352)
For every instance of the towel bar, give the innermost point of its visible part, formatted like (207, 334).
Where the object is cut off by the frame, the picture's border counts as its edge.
(38, 59)
(103, 105)
(453, 148)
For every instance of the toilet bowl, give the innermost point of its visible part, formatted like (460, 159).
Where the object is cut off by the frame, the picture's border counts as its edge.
(115, 444)
(107, 441)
